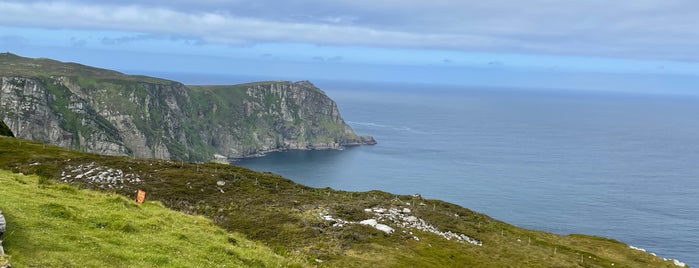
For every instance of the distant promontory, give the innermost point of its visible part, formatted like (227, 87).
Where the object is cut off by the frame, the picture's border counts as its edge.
(107, 112)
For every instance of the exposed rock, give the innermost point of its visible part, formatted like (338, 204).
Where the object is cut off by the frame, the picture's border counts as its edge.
(104, 177)
(2, 231)
(402, 219)
(676, 262)
(370, 222)
(2, 224)
(106, 112)
(381, 227)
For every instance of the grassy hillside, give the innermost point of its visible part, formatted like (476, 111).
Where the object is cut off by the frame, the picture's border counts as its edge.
(56, 225)
(320, 225)
(11, 64)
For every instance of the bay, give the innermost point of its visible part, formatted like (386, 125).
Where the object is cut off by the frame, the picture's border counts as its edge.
(616, 165)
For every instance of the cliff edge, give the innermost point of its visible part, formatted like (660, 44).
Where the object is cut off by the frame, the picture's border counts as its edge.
(107, 112)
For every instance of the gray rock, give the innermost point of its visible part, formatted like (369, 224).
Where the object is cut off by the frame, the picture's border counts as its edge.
(155, 118)
(2, 224)
(2, 231)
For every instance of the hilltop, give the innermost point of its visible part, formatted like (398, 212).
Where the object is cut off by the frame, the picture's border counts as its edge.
(107, 112)
(319, 226)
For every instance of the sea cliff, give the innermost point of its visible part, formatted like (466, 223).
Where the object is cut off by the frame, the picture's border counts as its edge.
(107, 112)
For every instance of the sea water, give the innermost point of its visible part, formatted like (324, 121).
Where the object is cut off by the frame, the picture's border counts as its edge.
(617, 165)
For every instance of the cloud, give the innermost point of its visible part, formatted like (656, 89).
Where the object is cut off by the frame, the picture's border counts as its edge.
(651, 29)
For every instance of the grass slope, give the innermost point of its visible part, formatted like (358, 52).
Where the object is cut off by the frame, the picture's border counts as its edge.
(11, 64)
(286, 216)
(57, 225)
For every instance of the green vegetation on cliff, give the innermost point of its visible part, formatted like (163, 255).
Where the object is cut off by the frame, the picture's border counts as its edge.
(319, 225)
(95, 110)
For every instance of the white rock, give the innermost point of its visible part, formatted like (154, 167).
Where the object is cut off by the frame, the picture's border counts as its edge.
(679, 263)
(370, 222)
(220, 183)
(382, 227)
(406, 210)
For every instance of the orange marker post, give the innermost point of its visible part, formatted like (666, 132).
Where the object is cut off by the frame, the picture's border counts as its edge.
(141, 196)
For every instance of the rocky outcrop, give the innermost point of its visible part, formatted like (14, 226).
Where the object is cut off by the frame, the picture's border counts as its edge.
(277, 116)
(400, 218)
(105, 112)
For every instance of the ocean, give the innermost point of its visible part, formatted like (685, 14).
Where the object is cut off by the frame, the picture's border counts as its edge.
(617, 165)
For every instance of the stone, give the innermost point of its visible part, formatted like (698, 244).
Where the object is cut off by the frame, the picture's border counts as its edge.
(2, 231)
(370, 222)
(2, 224)
(382, 227)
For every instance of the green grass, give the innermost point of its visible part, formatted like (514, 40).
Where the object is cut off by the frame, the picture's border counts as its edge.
(285, 216)
(57, 225)
(12, 64)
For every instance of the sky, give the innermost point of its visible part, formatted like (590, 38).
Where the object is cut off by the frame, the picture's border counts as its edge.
(640, 45)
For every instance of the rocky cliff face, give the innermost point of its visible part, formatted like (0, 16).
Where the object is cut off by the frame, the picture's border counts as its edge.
(272, 116)
(101, 111)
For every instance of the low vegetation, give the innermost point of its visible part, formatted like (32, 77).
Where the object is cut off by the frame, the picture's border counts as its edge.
(295, 221)
(57, 225)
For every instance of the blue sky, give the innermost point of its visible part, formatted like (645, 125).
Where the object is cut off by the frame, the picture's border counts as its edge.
(641, 45)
